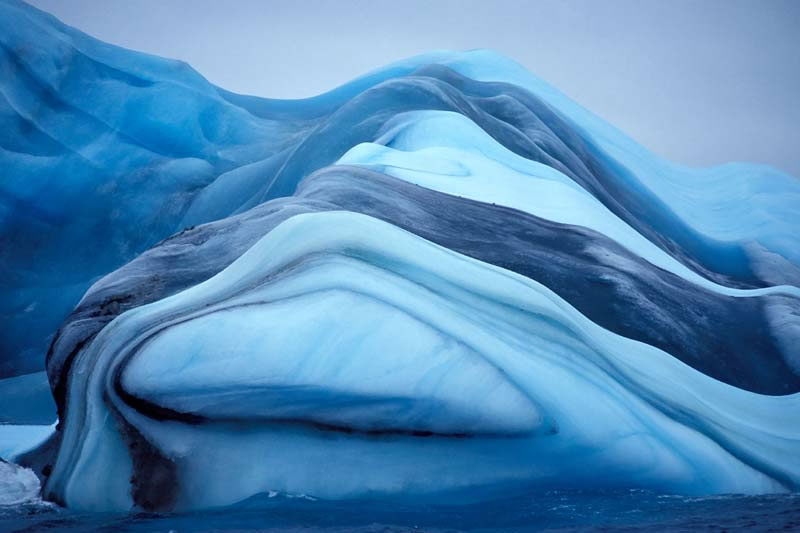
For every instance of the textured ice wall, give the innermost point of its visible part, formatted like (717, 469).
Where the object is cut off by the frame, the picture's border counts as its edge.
(443, 276)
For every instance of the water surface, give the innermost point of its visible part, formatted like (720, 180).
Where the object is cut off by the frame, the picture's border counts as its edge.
(555, 510)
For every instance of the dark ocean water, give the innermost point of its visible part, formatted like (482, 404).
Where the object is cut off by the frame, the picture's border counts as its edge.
(560, 511)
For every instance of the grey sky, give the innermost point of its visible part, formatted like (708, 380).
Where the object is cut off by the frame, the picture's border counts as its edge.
(700, 82)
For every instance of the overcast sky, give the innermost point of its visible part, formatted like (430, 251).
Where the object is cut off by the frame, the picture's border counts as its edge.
(699, 82)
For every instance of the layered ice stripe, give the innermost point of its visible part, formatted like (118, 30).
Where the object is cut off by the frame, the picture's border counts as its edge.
(609, 284)
(520, 121)
(747, 338)
(449, 153)
(737, 202)
(753, 205)
(341, 356)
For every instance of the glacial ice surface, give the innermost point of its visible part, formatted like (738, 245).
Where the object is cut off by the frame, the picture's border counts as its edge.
(443, 277)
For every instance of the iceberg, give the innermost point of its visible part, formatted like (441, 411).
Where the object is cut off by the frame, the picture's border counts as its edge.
(441, 278)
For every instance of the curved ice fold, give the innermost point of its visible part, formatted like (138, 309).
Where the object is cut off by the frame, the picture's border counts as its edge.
(733, 202)
(447, 152)
(610, 285)
(608, 411)
(327, 369)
